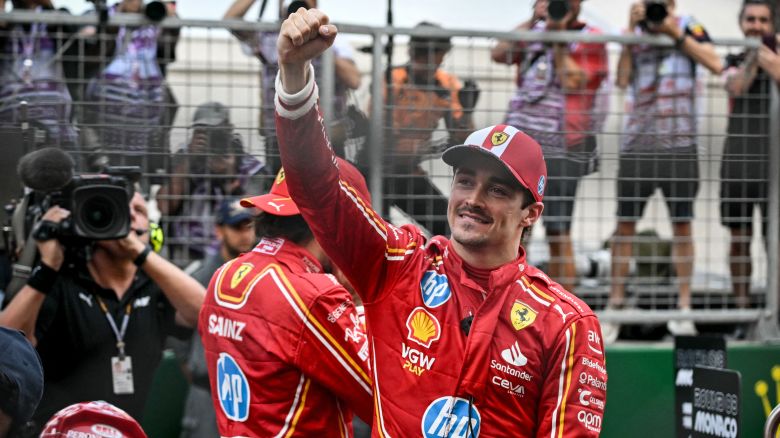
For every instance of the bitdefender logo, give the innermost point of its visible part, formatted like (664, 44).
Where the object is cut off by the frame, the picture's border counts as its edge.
(514, 356)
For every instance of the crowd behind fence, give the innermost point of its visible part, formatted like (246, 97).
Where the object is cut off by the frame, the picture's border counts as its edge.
(201, 130)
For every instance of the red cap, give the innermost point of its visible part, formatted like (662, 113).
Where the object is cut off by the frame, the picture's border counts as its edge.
(520, 154)
(93, 419)
(278, 202)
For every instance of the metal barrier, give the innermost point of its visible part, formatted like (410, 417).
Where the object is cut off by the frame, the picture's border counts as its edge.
(772, 422)
(208, 66)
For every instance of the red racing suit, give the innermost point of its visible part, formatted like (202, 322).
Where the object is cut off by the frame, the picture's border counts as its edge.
(532, 364)
(286, 352)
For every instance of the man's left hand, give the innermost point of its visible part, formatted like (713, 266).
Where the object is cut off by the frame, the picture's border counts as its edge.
(670, 27)
(769, 61)
(130, 246)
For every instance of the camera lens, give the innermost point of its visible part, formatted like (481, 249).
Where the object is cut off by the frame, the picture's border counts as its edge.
(155, 11)
(98, 214)
(656, 12)
(557, 9)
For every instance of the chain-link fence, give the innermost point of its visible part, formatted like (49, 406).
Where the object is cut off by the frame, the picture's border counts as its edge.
(118, 93)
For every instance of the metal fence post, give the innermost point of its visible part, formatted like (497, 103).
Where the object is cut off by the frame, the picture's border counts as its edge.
(770, 328)
(327, 85)
(376, 142)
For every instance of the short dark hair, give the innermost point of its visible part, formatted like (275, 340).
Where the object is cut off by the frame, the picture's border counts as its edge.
(292, 228)
(766, 3)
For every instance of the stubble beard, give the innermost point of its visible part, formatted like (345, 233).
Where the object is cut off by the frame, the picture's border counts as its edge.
(468, 240)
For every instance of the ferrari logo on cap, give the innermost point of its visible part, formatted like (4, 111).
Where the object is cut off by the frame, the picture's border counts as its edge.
(521, 315)
(279, 177)
(499, 138)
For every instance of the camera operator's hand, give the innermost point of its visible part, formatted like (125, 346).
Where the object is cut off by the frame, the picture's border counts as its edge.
(304, 36)
(51, 250)
(670, 27)
(129, 246)
(636, 15)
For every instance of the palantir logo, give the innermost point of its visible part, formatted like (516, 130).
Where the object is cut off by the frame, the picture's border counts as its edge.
(451, 417)
(435, 289)
(232, 388)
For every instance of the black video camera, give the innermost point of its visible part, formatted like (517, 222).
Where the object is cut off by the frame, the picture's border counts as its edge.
(99, 206)
(655, 13)
(557, 9)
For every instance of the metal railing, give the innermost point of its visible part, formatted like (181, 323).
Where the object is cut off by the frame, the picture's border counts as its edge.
(207, 67)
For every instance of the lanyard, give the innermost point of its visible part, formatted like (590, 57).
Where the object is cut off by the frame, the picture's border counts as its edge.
(119, 333)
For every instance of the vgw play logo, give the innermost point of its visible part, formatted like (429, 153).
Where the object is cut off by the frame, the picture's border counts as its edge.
(451, 417)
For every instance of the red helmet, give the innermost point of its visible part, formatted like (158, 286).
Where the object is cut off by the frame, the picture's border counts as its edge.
(96, 419)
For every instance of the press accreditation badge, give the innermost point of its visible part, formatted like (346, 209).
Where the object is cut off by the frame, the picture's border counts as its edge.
(122, 374)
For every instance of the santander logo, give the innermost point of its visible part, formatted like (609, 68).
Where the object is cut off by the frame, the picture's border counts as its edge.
(514, 356)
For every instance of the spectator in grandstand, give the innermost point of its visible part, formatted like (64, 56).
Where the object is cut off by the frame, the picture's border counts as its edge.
(99, 323)
(555, 103)
(262, 45)
(467, 338)
(92, 419)
(21, 383)
(658, 145)
(235, 232)
(127, 103)
(210, 168)
(285, 337)
(421, 96)
(749, 78)
(31, 71)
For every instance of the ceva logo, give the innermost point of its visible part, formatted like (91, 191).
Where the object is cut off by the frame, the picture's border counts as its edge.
(435, 289)
(451, 417)
(232, 388)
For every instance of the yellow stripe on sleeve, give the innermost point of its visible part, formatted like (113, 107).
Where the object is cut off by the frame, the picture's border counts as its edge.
(568, 378)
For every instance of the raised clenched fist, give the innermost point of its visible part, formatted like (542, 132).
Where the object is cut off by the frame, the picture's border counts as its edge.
(304, 35)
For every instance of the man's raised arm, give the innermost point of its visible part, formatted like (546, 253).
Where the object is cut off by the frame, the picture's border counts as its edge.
(355, 238)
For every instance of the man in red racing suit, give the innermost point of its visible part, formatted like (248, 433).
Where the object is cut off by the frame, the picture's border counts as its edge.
(466, 338)
(286, 352)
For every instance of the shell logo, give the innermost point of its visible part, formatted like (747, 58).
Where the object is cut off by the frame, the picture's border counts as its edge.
(423, 327)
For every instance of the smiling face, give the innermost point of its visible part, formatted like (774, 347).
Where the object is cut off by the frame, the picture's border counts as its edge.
(488, 210)
(756, 20)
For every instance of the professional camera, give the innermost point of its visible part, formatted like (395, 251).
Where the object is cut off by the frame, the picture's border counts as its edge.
(557, 9)
(99, 206)
(655, 13)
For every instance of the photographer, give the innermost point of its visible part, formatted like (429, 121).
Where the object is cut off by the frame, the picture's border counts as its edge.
(262, 45)
(555, 102)
(128, 106)
(658, 144)
(99, 325)
(423, 94)
(210, 168)
(31, 70)
(749, 75)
